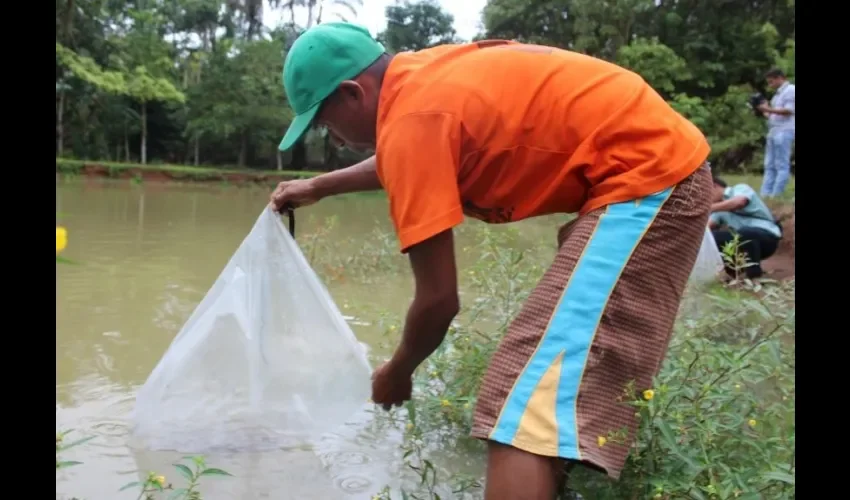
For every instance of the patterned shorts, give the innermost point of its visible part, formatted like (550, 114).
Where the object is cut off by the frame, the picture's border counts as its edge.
(599, 322)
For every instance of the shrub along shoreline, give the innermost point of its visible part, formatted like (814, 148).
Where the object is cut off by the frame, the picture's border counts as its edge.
(175, 173)
(189, 173)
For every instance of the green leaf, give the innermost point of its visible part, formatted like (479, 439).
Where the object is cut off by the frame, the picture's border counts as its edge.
(670, 441)
(697, 495)
(63, 260)
(185, 471)
(780, 476)
(134, 484)
(66, 463)
(215, 472)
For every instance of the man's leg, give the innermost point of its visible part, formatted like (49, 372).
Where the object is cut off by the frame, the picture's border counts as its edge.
(513, 474)
(769, 169)
(757, 244)
(782, 161)
(598, 322)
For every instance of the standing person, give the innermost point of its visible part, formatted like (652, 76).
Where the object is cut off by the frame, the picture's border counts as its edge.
(781, 129)
(738, 210)
(503, 131)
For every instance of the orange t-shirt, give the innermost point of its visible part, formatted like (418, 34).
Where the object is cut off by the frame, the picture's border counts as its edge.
(502, 131)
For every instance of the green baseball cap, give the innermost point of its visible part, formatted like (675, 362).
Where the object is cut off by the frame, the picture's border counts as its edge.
(320, 59)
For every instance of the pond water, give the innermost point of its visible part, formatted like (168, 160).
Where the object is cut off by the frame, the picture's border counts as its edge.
(148, 253)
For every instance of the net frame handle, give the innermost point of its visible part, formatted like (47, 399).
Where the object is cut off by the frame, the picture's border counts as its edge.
(290, 214)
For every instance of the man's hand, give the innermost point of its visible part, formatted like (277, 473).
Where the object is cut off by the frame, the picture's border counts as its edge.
(297, 193)
(391, 386)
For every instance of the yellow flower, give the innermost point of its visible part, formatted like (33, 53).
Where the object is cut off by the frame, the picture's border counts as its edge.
(601, 440)
(752, 422)
(434, 373)
(160, 480)
(648, 394)
(737, 386)
(445, 402)
(410, 426)
(466, 406)
(61, 238)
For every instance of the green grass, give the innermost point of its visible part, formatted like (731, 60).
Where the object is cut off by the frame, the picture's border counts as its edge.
(68, 166)
(754, 181)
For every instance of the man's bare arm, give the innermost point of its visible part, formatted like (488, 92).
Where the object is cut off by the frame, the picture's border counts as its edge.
(360, 177)
(734, 203)
(435, 302)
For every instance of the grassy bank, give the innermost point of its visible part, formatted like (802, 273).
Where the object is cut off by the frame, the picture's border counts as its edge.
(717, 423)
(181, 173)
(188, 173)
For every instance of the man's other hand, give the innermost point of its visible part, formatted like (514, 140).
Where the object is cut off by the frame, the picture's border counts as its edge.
(391, 386)
(297, 193)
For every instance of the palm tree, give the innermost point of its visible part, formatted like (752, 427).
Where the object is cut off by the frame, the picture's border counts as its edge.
(315, 8)
(347, 5)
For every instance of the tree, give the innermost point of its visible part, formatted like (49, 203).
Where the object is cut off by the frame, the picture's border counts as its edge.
(121, 68)
(417, 25)
(705, 57)
(147, 63)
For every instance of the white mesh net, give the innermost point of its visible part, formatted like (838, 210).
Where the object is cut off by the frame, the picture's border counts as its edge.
(709, 261)
(265, 361)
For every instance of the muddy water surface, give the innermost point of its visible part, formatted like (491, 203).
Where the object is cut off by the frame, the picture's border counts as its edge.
(148, 253)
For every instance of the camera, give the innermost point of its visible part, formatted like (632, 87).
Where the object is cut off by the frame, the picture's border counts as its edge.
(755, 101)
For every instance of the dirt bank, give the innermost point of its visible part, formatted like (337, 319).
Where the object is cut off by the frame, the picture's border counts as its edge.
(781, 264)
(173, 173)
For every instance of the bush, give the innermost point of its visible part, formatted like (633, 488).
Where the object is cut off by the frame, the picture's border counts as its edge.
(718, 424)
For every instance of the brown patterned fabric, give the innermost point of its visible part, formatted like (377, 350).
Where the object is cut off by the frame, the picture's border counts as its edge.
(632, 336)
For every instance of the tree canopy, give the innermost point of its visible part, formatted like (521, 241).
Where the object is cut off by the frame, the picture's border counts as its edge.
(199, 81)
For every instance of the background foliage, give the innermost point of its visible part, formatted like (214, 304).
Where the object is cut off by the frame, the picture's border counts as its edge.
(199, 81)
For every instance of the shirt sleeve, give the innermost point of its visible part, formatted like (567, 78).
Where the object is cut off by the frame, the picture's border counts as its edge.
(716, 218)
(418, 161)
(789, 100)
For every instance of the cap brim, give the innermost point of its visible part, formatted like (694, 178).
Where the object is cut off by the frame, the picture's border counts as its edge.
(298, 127)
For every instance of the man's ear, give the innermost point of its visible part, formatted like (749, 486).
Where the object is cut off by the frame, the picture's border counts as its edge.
(352, 90)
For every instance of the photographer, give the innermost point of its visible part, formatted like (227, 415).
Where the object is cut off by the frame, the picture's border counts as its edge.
(780, 114)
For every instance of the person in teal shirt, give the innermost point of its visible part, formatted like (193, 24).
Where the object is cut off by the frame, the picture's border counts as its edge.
(739, 210)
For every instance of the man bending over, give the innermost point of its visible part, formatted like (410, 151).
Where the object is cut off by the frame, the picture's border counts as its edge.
(501, 132)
